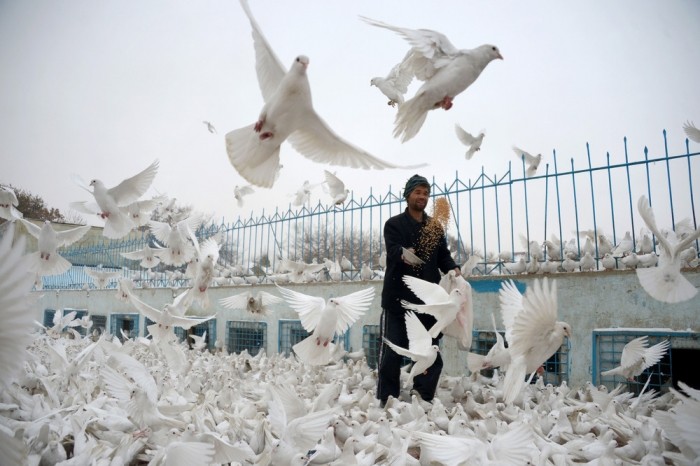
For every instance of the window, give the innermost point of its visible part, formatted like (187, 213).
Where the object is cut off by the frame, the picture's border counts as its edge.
(124, 325)
(246, 336)
(209, 327)
(677, 364)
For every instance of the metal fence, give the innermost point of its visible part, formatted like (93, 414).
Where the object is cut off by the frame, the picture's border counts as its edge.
(490, 215)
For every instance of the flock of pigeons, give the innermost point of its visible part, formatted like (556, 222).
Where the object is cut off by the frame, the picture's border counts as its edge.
(103, 400)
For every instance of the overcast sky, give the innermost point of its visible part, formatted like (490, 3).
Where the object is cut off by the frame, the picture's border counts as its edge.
(101, 89)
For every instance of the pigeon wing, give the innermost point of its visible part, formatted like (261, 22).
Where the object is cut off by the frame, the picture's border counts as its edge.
(268, 67)
(464, 136)
(691, 131)
(238, 301)
(351, 307)
(308, 307)
(429, 293)
(132, 188)
(68, 237)
(511, 305)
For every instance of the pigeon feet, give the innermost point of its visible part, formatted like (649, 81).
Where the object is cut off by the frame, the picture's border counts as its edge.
(258, 125)
(446, 102)
(266, 135)
(391, 103)
(104, 215)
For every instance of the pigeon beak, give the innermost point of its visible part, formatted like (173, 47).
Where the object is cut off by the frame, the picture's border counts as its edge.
(500, 56)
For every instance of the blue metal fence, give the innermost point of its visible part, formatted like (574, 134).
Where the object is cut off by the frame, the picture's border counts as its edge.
(491, 215)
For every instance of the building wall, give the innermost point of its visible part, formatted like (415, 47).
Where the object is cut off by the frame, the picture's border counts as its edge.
(587, 301)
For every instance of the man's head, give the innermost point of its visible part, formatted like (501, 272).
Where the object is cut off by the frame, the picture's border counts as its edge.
(417, 192)
(413, 182)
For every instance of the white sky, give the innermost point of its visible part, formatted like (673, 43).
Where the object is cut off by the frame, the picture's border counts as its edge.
(101, 89)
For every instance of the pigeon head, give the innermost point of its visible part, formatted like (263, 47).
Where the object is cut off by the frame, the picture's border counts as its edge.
(301, 61)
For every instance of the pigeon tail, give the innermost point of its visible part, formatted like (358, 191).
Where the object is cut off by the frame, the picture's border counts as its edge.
(514, 380)
(410, 118)
(54, 265)
(665, 285)
(255, 160)
(312, 353)
(117, 225)
(475, 362)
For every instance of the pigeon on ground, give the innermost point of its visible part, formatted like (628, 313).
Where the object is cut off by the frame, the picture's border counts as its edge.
(46, 261)
(473, 142)
(324, 319)
(256, 304)
(636, 357)
(288, 114)
(8, 204)
(240, 191)
(691, 131)
(111, 201)
(209, 126)
(532, 331)
(665, 282)
(532, 161)
(336, 188)
(446, 70)
(420, 347)
(395, 85)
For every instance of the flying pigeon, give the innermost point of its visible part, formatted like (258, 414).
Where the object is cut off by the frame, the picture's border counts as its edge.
(140, 211)
(240, 191)
(420, 347)
(395, 85)
(176, 238)
(473, 142)
(446, 70)
(206, 260)
(336, 188)
(532, 331)
(111, 201)
(101, 277)
(17, 305)
(463, 324)
(439, 303)
(288, 113)
(532, 161)
(665, 282)
(8, 204)
(46, 261)
(303, 194)
(636, 357)
(324, 319)
(256, 304)
(146, 255)
(497, 356)
(691, 131)
(209, 126)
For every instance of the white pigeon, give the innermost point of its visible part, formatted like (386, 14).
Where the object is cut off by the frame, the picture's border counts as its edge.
(101, 278)
(473, 142)
(691, 131)
(665, 282)
(146, 255)
(240, 191)
(532, 331)
(8, 204)
(624, 246)
(16, 306)
(210, 127)
(178, 248)
(497, 356)
(408, 256)
(205, 268)
(461, 328)
(336, 188)
(446, 70)
(288, 114)
(532, 161)
(47, 261)
(324, 319)
(256, 304)
(140, 211)
(420, 347)
(395, 85)
(111, 201)
(439, 303)
(303, 194)
(637, 356)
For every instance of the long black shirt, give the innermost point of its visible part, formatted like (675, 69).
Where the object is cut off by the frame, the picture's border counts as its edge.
(404, 231)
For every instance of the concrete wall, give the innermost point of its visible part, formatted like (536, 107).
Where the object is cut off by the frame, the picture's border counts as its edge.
(587, 301)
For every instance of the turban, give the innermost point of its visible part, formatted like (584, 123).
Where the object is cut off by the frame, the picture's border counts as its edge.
(413, 182)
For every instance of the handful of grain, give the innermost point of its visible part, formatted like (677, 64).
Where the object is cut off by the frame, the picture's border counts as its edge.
(434, 230)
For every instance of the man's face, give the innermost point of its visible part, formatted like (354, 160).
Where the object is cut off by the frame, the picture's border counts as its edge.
(418, 198)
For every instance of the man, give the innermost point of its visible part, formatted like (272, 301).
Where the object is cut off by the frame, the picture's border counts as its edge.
(408, 230)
